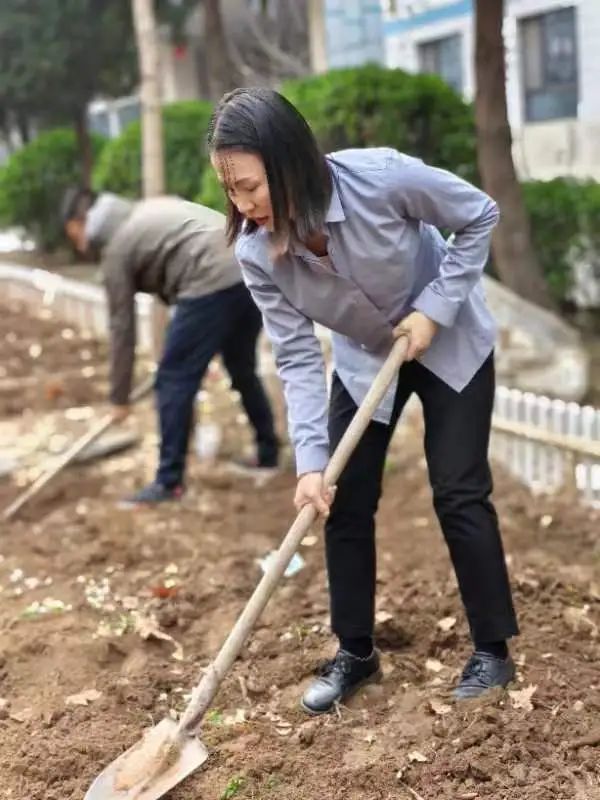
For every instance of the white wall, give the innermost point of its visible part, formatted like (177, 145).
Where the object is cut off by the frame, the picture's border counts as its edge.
(543, 149)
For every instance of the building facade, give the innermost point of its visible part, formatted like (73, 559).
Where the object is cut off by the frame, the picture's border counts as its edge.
(553, 72)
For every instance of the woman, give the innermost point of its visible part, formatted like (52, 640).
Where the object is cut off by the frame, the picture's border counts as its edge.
(350, 241)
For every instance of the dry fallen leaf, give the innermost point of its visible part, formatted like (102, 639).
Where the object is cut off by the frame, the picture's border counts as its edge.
(148, 627)
(236, 718)
(24, 715)
(447, 623)
(83, 698)
(433, 665)
(383, 616)
(438, 707)
(577, 620)
(521, 698)
(414, 755)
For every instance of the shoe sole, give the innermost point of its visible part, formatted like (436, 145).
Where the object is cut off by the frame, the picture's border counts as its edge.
(376, 677)
(504, 688)
(257, 473)
(132, 505)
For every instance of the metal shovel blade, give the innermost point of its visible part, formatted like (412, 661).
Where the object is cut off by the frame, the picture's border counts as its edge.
(190, 755)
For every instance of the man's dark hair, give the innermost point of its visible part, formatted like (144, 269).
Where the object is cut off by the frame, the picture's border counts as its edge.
(76, 203)
(263, 122)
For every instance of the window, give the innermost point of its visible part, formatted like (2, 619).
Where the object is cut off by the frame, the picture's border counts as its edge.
(128, 112)
(99, 122)
(444, 58)
(549, 57)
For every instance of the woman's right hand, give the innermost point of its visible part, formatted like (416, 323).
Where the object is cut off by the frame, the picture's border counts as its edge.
(311, 489)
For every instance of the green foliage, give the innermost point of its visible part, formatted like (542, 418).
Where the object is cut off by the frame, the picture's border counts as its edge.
(215, 717)
(185, 126)
(33, 181)
(57, 55)
(232, 788)
(367, 106)
(212, 193)
(565, 216)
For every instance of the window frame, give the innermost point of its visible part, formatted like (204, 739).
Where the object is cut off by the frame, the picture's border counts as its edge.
(548, 88)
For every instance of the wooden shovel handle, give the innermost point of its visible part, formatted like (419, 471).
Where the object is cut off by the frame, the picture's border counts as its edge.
(204, 692)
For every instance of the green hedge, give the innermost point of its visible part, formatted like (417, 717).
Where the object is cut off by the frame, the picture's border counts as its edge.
(33, 182)
(565, 221)
(367, 106)
(211, 192)
(185, 126)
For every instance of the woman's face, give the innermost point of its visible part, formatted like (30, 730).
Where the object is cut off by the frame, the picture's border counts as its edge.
(245, 181)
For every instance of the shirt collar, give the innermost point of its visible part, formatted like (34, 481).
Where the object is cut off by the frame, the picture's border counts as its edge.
(335, 212)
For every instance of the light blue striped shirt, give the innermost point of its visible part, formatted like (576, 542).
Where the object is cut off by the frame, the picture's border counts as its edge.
(387, 259)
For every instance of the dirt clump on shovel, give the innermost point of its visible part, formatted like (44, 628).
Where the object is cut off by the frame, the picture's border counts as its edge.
(158, 751)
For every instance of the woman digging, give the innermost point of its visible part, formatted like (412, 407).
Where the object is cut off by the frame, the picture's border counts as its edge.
(351, 241)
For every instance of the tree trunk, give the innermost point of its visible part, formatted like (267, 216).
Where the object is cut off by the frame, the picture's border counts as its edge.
(84, 146)
(514, 257)
(153, 162)
(317, 36)
(222, 72)
(23, 126)
(153, 168)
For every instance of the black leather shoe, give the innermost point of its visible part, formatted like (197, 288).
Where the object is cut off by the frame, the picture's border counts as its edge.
(340, 678)
(483, 672)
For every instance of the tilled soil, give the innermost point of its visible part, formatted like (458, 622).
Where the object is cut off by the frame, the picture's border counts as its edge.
(45, 364)
(81, 679)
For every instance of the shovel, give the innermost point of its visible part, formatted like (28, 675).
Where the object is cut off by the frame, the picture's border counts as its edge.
(170, 751)
(71, 454)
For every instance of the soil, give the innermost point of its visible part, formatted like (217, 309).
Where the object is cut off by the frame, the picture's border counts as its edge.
(45, 365)
(81, 681)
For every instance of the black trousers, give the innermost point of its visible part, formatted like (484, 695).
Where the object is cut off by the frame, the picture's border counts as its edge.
(225, 322)
(457, 428)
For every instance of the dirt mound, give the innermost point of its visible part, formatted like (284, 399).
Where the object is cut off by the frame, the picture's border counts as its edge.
(107, 618)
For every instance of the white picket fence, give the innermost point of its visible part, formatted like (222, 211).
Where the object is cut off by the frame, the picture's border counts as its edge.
(545, 443)
(74, 302)
(548, 443)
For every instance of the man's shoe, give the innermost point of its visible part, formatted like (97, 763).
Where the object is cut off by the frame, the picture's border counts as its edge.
(483, 672)
(339, 679)
(151, 495)
(254, 467)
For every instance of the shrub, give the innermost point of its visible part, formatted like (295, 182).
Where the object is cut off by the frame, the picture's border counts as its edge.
(367, 106)
(211, 192)
(565, 216)
(185, 126)
(34, 179)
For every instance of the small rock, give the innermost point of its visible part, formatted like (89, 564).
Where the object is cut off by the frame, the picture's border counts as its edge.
(480, 770)
(306, 733)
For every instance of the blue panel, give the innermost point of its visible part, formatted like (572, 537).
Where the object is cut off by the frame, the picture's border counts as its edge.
(450, 11)
(354, 32)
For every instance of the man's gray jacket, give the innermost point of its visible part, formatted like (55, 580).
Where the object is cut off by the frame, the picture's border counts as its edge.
(164, 246)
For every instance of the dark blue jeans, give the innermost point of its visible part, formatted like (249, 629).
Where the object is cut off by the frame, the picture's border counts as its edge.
(226, 323)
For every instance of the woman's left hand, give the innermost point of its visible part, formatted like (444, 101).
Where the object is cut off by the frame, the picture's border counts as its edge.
(420, 330)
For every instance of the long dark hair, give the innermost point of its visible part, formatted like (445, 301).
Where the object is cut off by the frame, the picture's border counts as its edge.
(263, 122)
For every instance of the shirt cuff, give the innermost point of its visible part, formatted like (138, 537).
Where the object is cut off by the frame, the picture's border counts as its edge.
(436, 307)
(311, 459)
